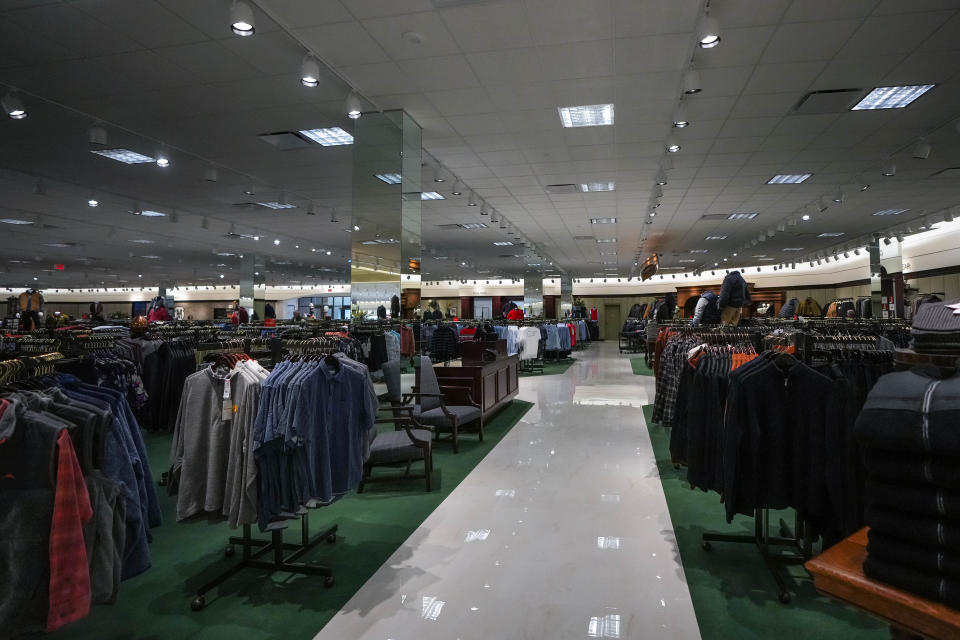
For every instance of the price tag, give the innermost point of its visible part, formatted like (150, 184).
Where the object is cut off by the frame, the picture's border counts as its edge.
(226, 410)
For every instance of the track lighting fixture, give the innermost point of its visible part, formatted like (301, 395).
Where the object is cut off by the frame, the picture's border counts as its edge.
(709, 35)
(821, 205)
(162, 160)
(13, 107)
(472, 202)
(673, 145)
(97, 135)
(691, 81)
(210, 174)
(494, 216)
(680, 117)
(899, 237)
(93, 202)
(846, 254)
(661, 179)
(889, 168)
(864, 185)
(838, 197)
(241, 19)
(457, 188)
(250, 190)
(948, 216)
(309, 71)
(333, 214)
(856, 252)
(886, 241)
(354, 106)
(922, 150)
(484, 210)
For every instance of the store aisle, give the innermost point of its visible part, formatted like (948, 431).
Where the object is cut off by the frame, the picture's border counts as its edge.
(562, 531)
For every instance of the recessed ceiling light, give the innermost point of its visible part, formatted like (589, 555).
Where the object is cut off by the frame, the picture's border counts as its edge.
(605, 240)
(123, 155)
(789, 178)
(699, 251)
(831, 234)
(591, 115)
(332, 137)
(742, 216)
(503, 243)
(603, 220)
(14, 221)
(890, 212)
(389, 178)
(715, 238)
(277, 205)
(793, 249)
(891, 97)
(141, 241)
(598, 186)
(473, 225)
(150, 257)
(431, 195)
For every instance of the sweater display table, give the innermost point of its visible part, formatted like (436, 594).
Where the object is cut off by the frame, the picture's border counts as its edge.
(838, 573)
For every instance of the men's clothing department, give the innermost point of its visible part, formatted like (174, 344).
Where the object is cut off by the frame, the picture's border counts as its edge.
(252, 446)
(771, 431)
(77, 501)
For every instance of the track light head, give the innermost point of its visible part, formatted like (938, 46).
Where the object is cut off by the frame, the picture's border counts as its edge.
(709, 35)
(309, 72)
(13, 107)
(889, 168)
(673, 144)
(691, 82)
(241, 19)
(354, 106)
(922, 150)
(680, 117)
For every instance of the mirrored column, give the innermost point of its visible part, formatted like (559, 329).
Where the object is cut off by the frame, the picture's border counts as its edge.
(533, 293)
(566, 296)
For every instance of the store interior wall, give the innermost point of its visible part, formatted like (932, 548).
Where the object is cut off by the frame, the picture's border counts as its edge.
(945, 286)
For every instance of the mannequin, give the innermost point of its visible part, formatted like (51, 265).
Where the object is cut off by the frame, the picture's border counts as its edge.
(31, 303)
(158, 311)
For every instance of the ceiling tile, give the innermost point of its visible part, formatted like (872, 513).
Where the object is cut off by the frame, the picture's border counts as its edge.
(451, 72)
(569, 21)
(649, 17)
(342, 44)
(461, 101)
(510, 67)
(780, 78)
(488, 27)
(435, 39)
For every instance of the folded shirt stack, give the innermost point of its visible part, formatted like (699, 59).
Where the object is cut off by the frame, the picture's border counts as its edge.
(936, 328)
(909, 431)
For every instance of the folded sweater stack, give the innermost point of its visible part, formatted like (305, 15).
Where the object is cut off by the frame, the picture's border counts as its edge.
(908, 428)
(936, 327)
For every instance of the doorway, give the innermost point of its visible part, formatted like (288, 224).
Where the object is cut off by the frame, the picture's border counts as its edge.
(611, 322)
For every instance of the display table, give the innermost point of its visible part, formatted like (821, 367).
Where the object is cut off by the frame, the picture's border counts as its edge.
(492, 384)
(838, 573)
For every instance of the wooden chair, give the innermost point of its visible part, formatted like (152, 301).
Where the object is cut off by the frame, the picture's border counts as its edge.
(431, 409)
(408, 442)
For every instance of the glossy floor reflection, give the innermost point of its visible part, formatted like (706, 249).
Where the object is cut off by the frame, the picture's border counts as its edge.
(562, 531)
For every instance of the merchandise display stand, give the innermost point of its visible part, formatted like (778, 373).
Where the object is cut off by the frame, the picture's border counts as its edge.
(761, 537)
(252, 559)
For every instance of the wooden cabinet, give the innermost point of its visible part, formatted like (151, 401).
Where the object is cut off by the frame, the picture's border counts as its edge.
(492, 384)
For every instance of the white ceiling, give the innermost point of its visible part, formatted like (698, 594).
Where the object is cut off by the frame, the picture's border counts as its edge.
(484, 82)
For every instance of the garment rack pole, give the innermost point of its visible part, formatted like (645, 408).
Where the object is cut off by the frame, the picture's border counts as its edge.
(280, 562)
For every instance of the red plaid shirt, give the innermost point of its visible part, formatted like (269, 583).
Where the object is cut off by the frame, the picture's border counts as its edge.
(69, 571)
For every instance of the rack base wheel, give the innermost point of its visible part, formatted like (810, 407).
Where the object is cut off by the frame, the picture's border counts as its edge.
(331, 538)
(706, 545)
(328, 582)
(785, 598)
(198, 603)
(229, 551)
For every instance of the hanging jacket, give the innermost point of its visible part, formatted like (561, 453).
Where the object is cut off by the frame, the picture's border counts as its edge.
(707, 311)
(734, 291)
(808, 308)
(789, 309)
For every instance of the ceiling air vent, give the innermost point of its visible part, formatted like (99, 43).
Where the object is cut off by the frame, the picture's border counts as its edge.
(284, 140)
(561, 189)
(828, 101)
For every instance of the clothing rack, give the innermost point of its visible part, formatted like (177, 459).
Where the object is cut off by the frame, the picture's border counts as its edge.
(280, 562)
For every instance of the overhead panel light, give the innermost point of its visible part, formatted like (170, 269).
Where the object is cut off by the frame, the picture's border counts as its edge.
(889, 212)
(598, 186)
(591, 115)
(277, 205)
(699, 251)
(789, 178)
(709, 35)
(473, 225)
(241, 19)
(742, 216)
(431, 195)
(13, 107)
(603, 220)
(606, 240)
(15, 221)
(715, 238)
(147, 213)
(793, 249)
(331, 137)
(389, 178)
(123, 155)
(503, 243)
(831, 234)
(309, 72)
(891, 97)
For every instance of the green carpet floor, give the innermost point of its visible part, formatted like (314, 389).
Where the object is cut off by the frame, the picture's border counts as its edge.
(733, 593)
(640, 367)
(253, 605)
(552, 368)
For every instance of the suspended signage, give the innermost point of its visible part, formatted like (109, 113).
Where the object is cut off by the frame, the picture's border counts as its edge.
(59, 267)
(649, 267)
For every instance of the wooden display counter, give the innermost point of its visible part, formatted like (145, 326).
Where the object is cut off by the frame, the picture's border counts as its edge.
(492, 384)
(838, 573)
